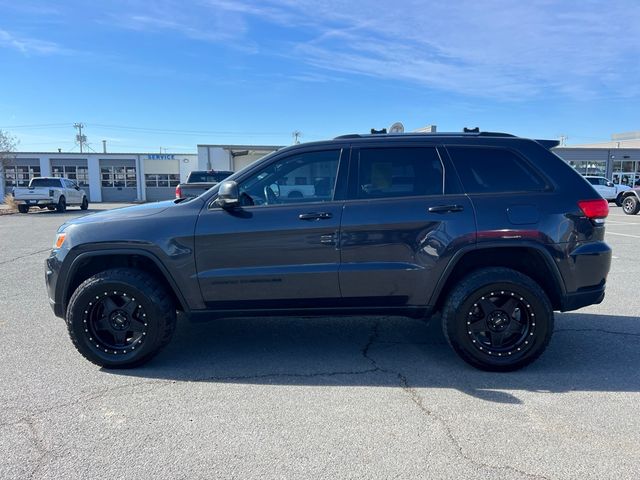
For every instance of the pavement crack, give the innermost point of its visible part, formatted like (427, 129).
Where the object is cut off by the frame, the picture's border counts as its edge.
(38, 442)
(20, 257)
(597, 330)
(417, 400)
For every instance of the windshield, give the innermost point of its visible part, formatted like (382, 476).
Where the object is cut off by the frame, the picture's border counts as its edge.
(45, 182)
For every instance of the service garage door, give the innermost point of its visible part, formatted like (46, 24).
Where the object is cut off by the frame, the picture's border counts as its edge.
(161, 177)
(73, 169)
(119, 180)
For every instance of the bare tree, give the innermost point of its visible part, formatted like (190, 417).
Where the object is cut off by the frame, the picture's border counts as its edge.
(8, 144)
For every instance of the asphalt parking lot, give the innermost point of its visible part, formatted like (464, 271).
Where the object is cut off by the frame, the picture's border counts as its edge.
(315, 398)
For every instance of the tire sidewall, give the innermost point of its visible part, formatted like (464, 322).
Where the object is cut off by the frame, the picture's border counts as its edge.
(462, 342)
(630, 205)
(76, 317)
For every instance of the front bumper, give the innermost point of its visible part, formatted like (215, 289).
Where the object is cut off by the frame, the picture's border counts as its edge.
(51, 275)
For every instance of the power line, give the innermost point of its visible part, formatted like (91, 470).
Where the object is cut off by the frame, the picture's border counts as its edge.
(42, 125)
(182, 132)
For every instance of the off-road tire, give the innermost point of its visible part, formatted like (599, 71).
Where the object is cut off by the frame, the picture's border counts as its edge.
(463, 302)
(61, 207)
(23, 208)
(618, 200)
(85, 203)
(152, 297)
(630, 205)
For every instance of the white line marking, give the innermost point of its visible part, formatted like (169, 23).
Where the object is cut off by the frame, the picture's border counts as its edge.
(623, 234)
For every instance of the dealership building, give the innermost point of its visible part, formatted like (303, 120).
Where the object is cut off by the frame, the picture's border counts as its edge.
(146, 177)
(127, 177)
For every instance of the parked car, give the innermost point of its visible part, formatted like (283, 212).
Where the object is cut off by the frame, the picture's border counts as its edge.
(199, 181)
(492, 231)
(631, 201)
(53, 193)
(607, 189)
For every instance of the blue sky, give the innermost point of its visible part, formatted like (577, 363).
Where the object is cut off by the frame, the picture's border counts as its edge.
(171, 74)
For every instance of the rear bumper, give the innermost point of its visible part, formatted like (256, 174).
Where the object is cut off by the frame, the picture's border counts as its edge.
(34, 203)
(576, 300)
(585, 275)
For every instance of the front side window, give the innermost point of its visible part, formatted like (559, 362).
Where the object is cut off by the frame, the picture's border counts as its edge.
(494, 170)
(306, 177)
(399, 172)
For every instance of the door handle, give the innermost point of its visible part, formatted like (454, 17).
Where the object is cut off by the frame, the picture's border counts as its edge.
(446, 208)
(315, 216)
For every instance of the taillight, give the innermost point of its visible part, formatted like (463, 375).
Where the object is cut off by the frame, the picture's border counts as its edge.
(596, 210)
(178, 192)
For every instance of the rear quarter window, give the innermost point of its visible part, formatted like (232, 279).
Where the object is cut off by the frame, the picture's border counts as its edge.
(495, 170)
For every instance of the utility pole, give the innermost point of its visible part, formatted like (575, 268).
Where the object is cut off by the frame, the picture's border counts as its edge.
(80, 138)
(563, 140)
(297, 134)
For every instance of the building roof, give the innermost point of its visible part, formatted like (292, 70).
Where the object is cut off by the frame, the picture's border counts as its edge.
(631, 143)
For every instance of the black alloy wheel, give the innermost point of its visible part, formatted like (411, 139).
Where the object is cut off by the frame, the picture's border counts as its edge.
(498, 319)
(120, 318)
(500, 323)
(116, 322)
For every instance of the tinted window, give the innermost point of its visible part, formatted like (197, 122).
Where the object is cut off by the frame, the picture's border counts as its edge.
(494, 170)
(593, 181)
(305, 177)
(208, 177)
(45, 182)
(399, 172)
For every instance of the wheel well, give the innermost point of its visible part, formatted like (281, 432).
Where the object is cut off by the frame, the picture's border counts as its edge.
(96, 264)
(528, 261)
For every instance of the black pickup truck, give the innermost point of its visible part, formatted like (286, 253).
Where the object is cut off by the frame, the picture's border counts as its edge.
(199, 181)
(492, 231)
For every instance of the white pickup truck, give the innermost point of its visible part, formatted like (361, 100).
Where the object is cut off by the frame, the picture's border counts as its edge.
(50, 192)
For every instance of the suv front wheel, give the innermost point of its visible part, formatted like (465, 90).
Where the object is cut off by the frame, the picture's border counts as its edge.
(498, 319)
(120, 318)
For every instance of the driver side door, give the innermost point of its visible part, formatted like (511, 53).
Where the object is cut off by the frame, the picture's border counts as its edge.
(275, 251)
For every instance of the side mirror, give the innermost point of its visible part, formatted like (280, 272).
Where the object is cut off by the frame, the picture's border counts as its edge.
(609, 184)
(228, 194)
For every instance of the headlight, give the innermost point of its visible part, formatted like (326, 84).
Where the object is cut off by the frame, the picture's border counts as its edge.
(59, 240)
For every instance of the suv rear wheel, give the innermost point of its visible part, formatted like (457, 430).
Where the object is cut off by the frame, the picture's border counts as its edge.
(631, 205)
(61, 207)
(120, 318)
(498, 319)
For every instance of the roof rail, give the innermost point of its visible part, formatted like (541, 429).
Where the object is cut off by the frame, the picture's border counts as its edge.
(467, 133)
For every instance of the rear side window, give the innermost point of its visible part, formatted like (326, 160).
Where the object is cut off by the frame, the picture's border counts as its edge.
(491, 170)
(46, 182)
(399, 172)
(593, 181)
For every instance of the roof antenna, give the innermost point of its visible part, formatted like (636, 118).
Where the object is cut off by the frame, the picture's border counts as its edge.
(378, 132)
(471, 130)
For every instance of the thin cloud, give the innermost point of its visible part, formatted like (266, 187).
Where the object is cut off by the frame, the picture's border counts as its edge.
(516, 49)
(27, 45)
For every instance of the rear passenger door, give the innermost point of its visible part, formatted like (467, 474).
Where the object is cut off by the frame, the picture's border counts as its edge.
(510, 195)
(403, 219)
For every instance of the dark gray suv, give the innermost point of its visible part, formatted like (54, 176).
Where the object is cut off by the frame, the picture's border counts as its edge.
(493, 231)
